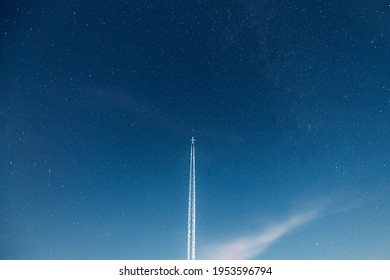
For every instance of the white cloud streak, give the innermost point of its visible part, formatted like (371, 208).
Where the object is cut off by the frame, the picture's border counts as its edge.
(252, 246)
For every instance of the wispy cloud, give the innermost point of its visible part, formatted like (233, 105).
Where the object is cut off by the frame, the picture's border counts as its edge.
(252, 246)
(249, 247)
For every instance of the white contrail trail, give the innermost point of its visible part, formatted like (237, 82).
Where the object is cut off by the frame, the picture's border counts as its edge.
(189, 210)
(191, 206)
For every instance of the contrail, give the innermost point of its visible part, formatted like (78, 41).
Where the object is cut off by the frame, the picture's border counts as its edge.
(191, 206)
(193, 202)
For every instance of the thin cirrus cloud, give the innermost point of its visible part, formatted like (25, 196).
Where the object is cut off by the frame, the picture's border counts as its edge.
(252, 246)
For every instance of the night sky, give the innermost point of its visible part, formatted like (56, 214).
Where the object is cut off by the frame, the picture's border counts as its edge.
(289, 102)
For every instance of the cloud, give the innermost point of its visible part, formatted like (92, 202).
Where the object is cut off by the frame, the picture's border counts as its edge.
(252, 246)
(249, 247)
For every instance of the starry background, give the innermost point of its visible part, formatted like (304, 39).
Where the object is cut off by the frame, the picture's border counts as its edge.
(289, 102)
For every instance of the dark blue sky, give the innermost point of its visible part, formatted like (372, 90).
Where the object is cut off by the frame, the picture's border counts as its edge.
(289, 102)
